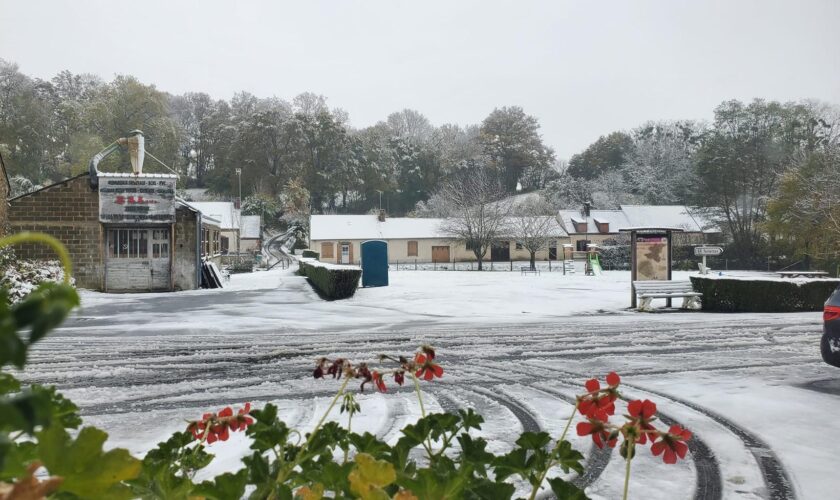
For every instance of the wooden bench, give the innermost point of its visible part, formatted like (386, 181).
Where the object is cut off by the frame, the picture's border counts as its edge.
(527, 269)
(803, 274)
(646, 291)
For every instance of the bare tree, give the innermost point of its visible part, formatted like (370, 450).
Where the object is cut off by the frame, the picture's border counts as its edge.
(476, 210)
(533, 226)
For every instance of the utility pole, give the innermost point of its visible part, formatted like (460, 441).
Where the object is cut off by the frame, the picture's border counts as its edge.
(239, 221)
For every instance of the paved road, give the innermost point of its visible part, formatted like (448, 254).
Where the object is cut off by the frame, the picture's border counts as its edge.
(522, 377)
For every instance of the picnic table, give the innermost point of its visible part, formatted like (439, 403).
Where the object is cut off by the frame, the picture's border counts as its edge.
(803, 274)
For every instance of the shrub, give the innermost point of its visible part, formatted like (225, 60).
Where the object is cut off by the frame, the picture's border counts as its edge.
(763, 295)
(330, 281)
(311, 254)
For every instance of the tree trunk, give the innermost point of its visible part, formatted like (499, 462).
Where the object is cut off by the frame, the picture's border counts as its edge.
(533, 260)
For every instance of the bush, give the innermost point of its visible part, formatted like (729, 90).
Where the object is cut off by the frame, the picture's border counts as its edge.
(311, 255)
(763, 295)
(330, 281)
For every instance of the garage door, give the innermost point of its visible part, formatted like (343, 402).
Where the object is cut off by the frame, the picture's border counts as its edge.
(137, 260)
(440, 254)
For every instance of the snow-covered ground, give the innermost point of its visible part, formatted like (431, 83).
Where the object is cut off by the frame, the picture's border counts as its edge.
(517, 348)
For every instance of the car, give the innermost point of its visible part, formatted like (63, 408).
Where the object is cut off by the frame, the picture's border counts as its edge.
(830, 343)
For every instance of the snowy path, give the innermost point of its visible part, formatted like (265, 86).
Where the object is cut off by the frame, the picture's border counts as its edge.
(747, 385)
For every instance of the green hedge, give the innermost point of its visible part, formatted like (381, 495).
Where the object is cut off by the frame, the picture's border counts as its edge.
(331, 283)
(741, 295)
(310, 254)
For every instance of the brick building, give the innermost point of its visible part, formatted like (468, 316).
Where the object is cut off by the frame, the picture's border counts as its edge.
(112, 252)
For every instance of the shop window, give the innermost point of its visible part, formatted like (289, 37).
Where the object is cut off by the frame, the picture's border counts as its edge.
(128, 243)
(412, 249)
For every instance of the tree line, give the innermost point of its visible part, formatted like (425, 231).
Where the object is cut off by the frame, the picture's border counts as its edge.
(767, 171)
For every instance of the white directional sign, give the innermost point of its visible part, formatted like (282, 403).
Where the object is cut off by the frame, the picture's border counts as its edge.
(707, 251)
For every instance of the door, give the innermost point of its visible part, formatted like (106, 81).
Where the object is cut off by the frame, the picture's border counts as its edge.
(159, 263)
(440, 254)
(552, 251)
(500, 251)
(345, 253)
(137, 260)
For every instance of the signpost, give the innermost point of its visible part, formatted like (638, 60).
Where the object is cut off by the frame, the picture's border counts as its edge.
(704, 252)
(651, 254)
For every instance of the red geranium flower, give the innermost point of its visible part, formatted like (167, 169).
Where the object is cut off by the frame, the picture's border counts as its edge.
(641, 416)
(595, 401)
(596, 427)
(399, 377)
(613, 379)
(672, 444)
(428, 369)
(216, 427)
(378, 382)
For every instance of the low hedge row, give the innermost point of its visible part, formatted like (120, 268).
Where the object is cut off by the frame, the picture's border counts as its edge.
(741, 295)
(311, 254)
(331, 282)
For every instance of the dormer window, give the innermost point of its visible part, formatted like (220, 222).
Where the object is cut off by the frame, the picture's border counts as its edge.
(580, 227)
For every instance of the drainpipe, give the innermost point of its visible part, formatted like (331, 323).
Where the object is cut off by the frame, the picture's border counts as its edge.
(198, 251)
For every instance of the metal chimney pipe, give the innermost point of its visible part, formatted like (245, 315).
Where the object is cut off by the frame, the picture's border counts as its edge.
(136, 144)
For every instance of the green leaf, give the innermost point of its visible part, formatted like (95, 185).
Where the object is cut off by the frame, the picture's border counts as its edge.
(368, 443)
(470, 419)
(565, 490)
(14, 457)
(8, 383)
(224, 487)
(427, 483)
(25, 411)
(369, 476)
(514, 463)
(484, 489)
(267, 431)
(88, 471)
(567, 457)
(474, 453)
(64, 411)
(533, 440)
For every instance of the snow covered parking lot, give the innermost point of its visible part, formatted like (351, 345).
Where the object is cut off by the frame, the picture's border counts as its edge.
(517, 348)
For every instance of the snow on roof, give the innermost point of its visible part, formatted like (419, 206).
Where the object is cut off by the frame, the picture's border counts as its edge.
(222, 211)
(676, 216)
(250, 227)
(615, 219)
(368, 227)
(138, 176)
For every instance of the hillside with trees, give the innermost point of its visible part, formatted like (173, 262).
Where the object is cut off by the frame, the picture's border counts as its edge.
(767, 171)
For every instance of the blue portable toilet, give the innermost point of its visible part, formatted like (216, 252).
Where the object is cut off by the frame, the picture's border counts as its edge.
(374, 263)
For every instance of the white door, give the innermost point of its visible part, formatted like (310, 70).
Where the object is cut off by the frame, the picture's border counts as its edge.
(345, 253)
(137, 260)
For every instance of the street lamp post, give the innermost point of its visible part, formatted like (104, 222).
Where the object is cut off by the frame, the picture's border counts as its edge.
(239, 221)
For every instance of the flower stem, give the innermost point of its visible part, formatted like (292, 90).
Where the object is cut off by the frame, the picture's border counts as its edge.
(569, 422)
(285, 471)
(630, 453)
(419, 396)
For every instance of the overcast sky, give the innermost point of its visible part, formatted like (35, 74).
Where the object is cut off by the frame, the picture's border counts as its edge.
(584, 68)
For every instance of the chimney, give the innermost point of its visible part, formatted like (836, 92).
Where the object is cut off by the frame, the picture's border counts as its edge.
(587, 206)
(135, 142)
(381, 216)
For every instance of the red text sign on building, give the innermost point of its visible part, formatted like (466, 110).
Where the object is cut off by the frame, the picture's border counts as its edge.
(137, 199)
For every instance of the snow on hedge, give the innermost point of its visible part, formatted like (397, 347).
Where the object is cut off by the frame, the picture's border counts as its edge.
(317, 263)
(22, 276)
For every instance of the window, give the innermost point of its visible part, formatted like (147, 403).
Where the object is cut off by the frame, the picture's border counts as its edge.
(518, 245)
(128, 243)
(580, 227)
(412, 249)
(327, 251)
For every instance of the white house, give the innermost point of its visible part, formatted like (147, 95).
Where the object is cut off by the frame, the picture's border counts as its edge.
(337, 238)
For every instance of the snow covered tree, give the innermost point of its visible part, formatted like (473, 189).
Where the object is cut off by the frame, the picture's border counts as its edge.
(476, 210)
(533, 225)
(607, 154)
(511, 139)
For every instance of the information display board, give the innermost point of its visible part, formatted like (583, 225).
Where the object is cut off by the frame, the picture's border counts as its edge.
(652, 258)
(137, 199)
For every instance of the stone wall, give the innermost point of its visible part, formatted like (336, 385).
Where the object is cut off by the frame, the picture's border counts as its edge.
(184, 252)
(69, 211)
(4, 195)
